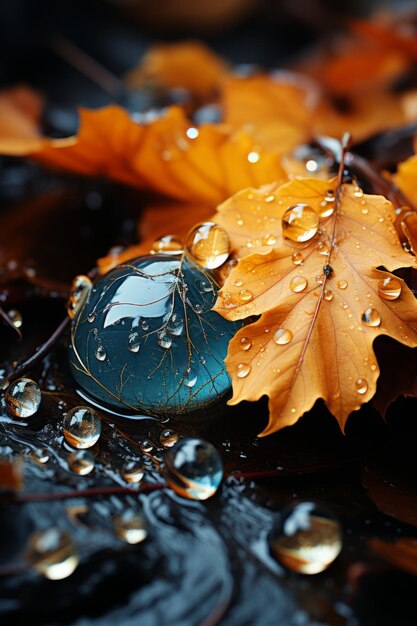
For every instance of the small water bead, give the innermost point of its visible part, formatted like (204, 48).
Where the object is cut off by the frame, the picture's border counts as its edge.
(133, 472)
(23, 398)
(364, 210)
(328, 295)
(91, 317)
(133, 342)
(208, 244)
(100, 352)
(168, 438)
(358, 192)
(371, 317)
(330, 195)
(190, 377)
(80, 288)
(282, 336)
(297, 258)
(245, 295)
(326, 209)
(194, 469)
(82, 427)
(307, 540)
(145, 325)
(300, 223)
(269, 240)
(164, 340)
(342, 284)
(40, 455)
(323, 248)
(81, 462)
(254, 156)
(245, 343)
(15, 317)
(298, 284)
(175, 326)
(242, 370)
(361, 386)
(389, 288)
(146, 445)
(52, 553)
(130, 526)
(168, 244)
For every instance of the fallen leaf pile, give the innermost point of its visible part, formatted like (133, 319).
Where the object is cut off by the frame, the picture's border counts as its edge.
(313, 254)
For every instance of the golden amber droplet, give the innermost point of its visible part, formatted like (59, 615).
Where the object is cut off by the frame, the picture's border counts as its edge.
(297, 258)
(361, 386)
(243, 369)
(342, 284)
(245, 295)
(208, 244)
(80, 288)
(371, 317)
(389, 288)
(298, 284)
(245, 343)
(300, 223)
(282, 336)
(168, 244)
(323, 248)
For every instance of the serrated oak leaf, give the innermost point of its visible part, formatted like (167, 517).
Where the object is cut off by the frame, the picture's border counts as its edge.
(319, 305)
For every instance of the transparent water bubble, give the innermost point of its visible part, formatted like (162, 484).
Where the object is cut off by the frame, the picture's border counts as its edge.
(52, 553)
(168, 438)
(194, 469)
(208, 244)
(80, 288)
(40, 455)
(23, 398)
(81, 462)
(133, 472)
(389, 288)
(82, 427)
(130, 526)
(300, 223)
(371, 317)
(307, 539)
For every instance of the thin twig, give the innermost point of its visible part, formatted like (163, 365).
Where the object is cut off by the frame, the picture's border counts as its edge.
(9, 322)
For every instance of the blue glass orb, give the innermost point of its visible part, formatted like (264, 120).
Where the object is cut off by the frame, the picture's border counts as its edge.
(194, 469)
(146, 339)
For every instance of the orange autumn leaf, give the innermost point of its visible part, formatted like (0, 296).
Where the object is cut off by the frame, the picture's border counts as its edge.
(20, 111)
(319, 302)
(190, 65)
(401, 553)
(276, 110)
(405, 179)
(206, 166)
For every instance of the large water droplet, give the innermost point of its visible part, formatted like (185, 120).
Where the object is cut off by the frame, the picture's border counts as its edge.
(371, 317)
(389, 288)
(81, 427)
(194, 469)
(169, 244)
(282, 336)
(300, 223)
(208, 244)
(190, 377)
(52, 553)
(80, 288)
(81, 462)
(361, 386)
(175, 325)
(23, 398)
(164, 340)
(130, 526)
(242, 370)
(307, 540)
(298, 284)
(133, 342)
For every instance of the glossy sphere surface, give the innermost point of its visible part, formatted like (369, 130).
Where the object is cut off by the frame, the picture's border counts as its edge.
(52, 553)
(146, 339)
(194, 469)
(82, 427)
(23, 398)
(307, 540)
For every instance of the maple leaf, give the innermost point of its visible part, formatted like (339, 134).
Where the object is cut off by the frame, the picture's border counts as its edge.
(205, 165)
(319, 302)
(190, 65)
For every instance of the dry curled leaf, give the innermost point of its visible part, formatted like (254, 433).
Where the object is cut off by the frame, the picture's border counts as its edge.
(319, 302)
(205, 165)
(190, 65)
